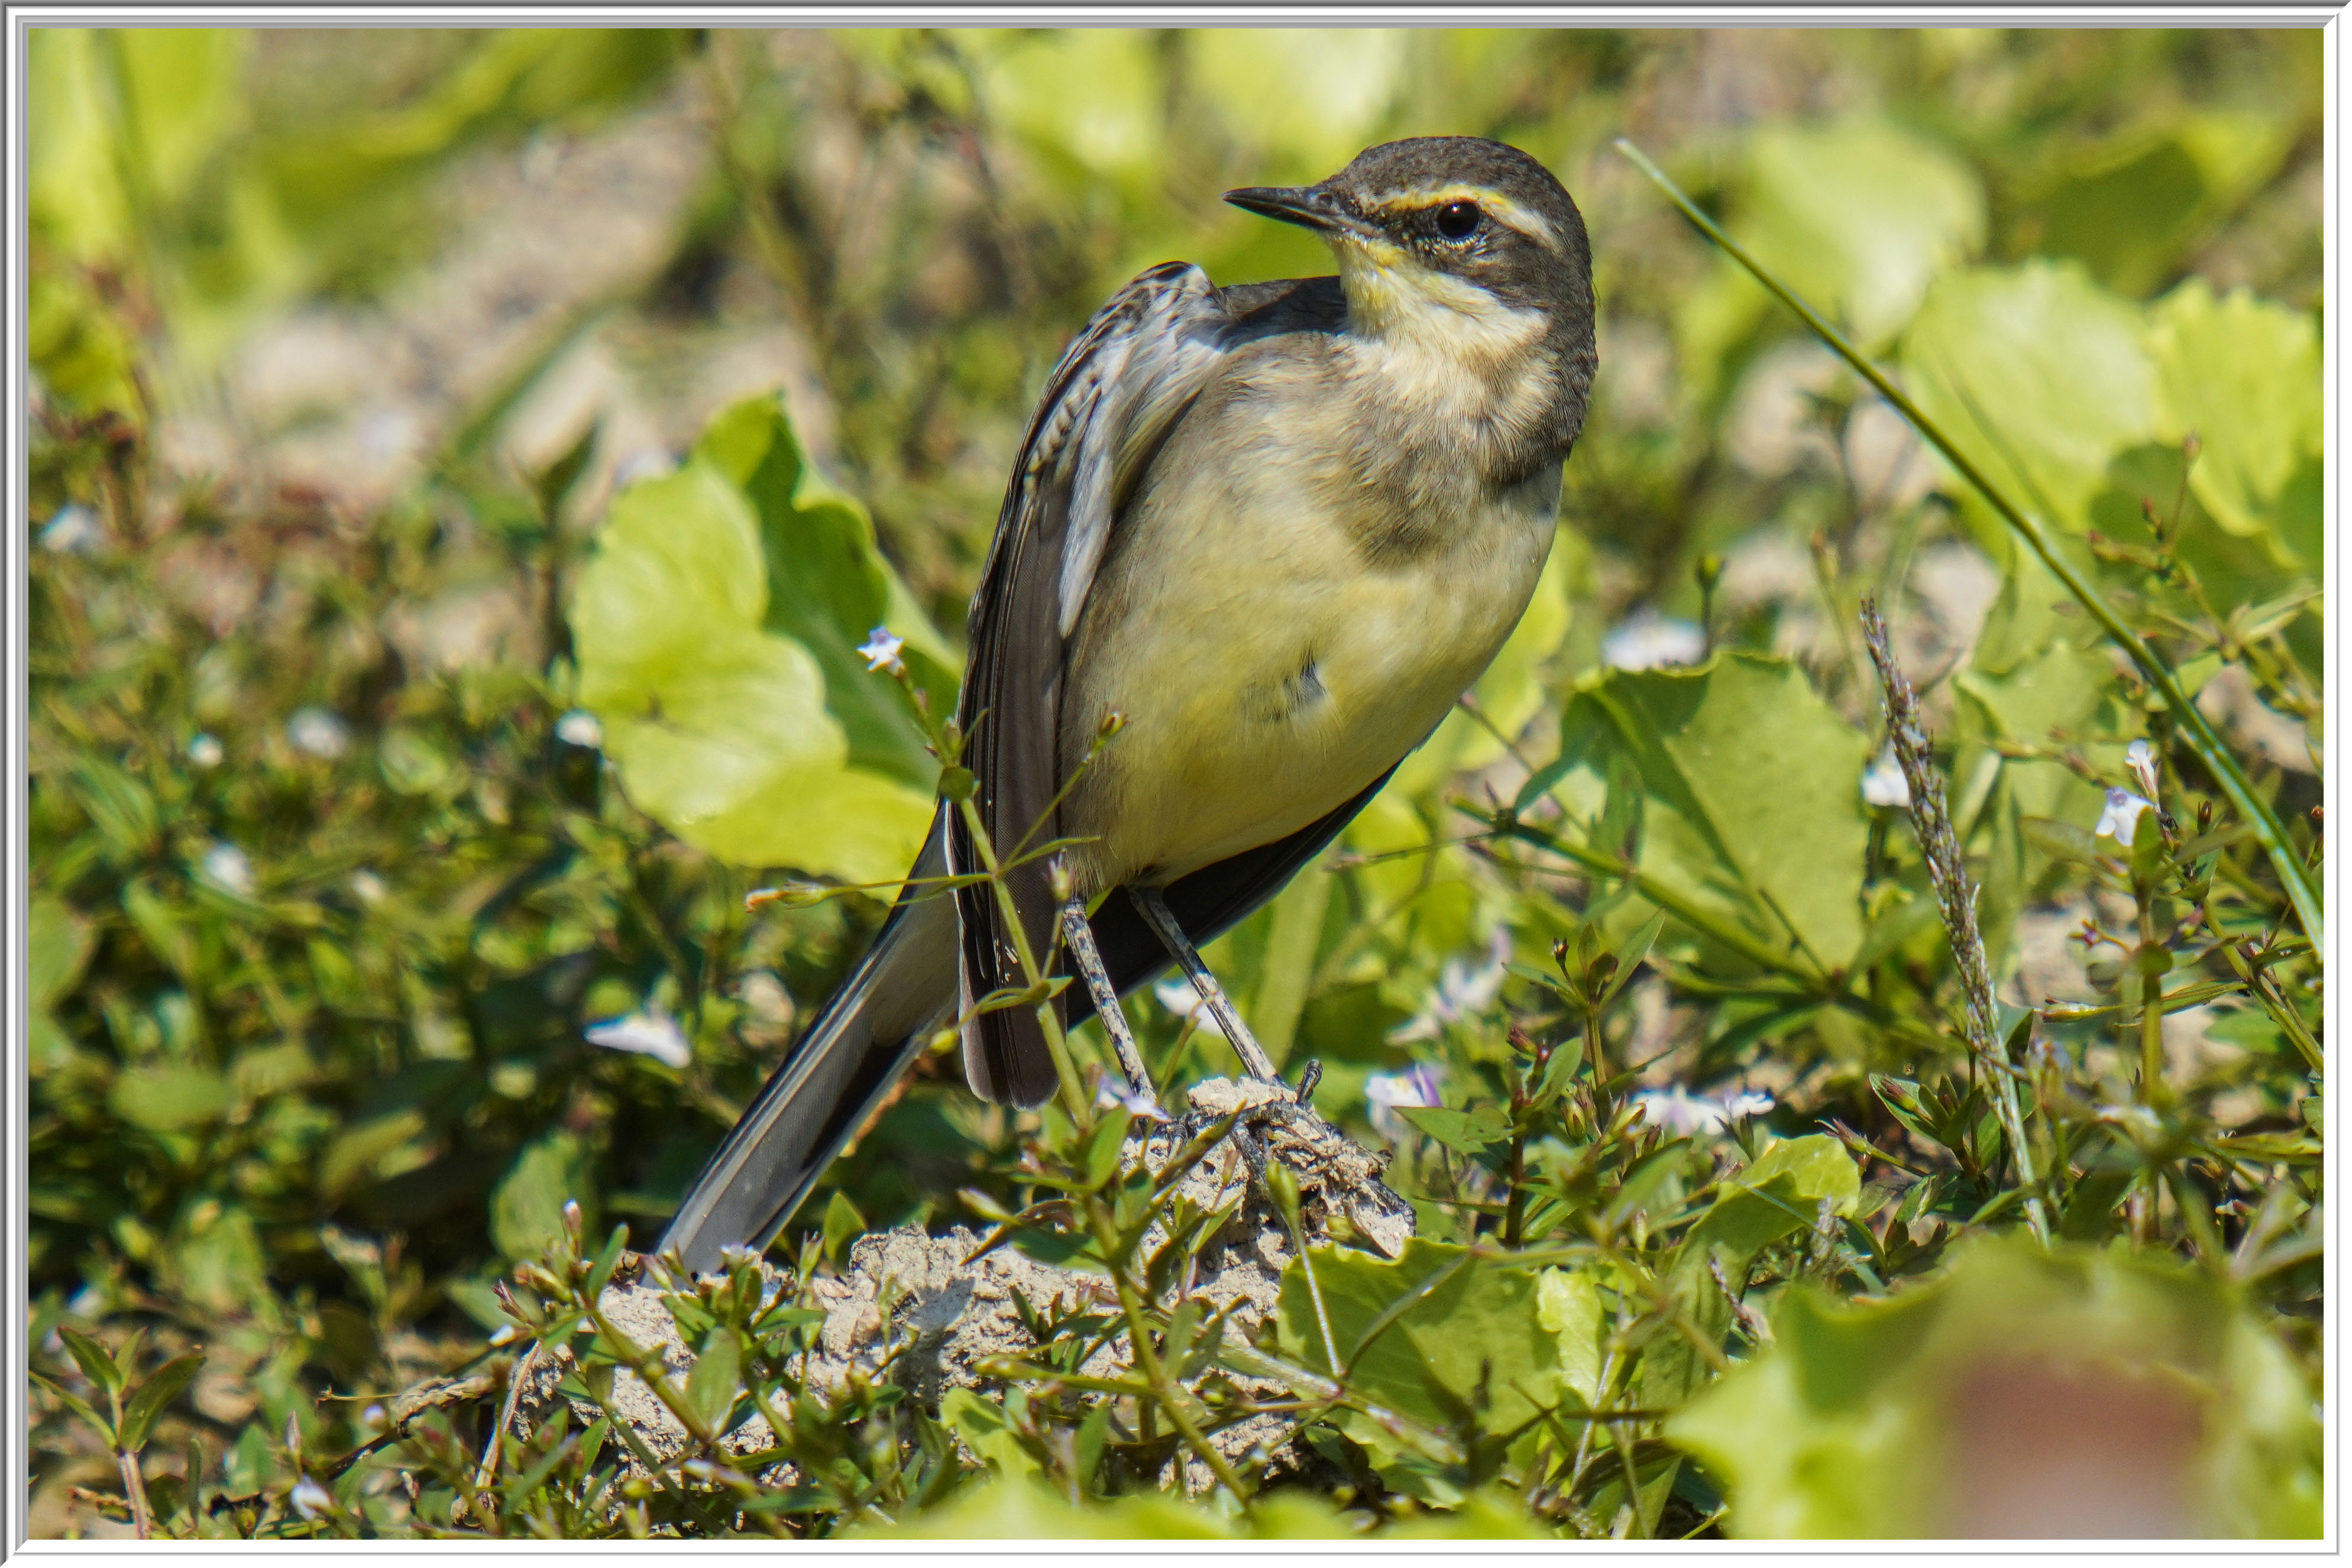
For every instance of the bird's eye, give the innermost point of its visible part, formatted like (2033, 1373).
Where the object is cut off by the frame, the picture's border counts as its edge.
(1458, 220)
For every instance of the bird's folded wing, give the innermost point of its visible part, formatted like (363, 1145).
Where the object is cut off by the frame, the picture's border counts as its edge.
(1109, 406)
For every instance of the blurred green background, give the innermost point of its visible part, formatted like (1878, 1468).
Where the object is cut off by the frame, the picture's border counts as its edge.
(344, 342)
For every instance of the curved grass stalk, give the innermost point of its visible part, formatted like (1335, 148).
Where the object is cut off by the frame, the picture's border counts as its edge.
(2293, 876)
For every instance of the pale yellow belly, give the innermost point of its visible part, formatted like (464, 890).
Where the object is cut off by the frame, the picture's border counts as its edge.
(1266, 674)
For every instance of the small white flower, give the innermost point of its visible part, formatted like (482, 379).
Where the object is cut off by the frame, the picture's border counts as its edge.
(372, 1417)
(310, 1499)
(1177, 995)
(367, 887)
(318, 733)
(2120, 820)
(646, 463)
(1679, 1110)
(1463, 991)
(649, 1033)
(507, 1333)
(1883, 783)
(1135, 1101)
(1418, 1087)
(227, 866)
(1646, 640)
(2140, 758)
(73, 528)
(204, 751)
(580, 727)
(881, 652)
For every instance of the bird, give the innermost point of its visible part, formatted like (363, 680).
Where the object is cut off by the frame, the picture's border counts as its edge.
(1257, 542)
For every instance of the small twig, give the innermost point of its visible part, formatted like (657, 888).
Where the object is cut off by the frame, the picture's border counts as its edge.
(134, 1486)
(1932, 822)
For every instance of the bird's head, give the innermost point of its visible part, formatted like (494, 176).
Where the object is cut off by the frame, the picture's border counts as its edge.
(1437, 229)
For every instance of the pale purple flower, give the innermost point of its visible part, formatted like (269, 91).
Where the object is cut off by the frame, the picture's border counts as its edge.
(1419, 1086)
(2120, 820)
(2140, 758)
(75, 529)
(1646, 640)
(1176, 993)
(646, 463)
(1110, 1097)
(310, 1499)
(580, 727)
(204, 751)
(226, 865)
(881, 651)
(650, 1031)
(1464, 991)
(1678, 1110)
(1883, 783)
(318, 733)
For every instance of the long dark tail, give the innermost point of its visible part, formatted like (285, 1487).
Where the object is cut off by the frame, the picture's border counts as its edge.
(869, 1033)
(838, 1071)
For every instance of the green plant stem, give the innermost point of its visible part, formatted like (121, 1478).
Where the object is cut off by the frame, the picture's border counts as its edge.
(135, 1491)
(2293, 876)
(1147, 1359)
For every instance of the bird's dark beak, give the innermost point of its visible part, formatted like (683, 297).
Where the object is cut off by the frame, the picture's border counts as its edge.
(1308, 206)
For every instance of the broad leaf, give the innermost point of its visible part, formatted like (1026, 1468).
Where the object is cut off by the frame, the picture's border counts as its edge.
(1777, 1195)
(2243, 375)
(1859, 216)
(2025, 1394)
(2039, 375)
(151, 1398)
(1681, 754)
(1463, 1132)
(720, 727)
(527, 1207)
(169, 1099)
(1478, 1330)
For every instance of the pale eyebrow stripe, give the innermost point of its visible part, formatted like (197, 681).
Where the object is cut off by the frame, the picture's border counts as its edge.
(1501, 206)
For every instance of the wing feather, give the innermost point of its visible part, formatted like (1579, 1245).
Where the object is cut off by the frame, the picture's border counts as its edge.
(1109, 405)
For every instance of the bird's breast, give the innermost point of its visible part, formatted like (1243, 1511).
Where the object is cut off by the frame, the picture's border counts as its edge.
(1269, 659)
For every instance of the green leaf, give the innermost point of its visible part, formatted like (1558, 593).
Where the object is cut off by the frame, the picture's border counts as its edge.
(365, 1149)
(2023, 1372)
(987, 1431)
(527, 1204)
(151, 1398)
(104, 1427)
(1103, 1150)
(711, 1386)
(2038, 374)
(1776, 1196)
(1568, 1305)
(843, 1225)
(828, 588)
(2128, 207)
(2243, 375)
(171, 1099)
(56, 945)
(1480, 1327)
(720, 727)
(96, 1362)
(1783, 863)
(1859, 216)
(1463, 1132)
(411, 763)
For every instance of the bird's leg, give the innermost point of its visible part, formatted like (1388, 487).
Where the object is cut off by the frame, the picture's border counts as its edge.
(1163, 920)
(1079, 937)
